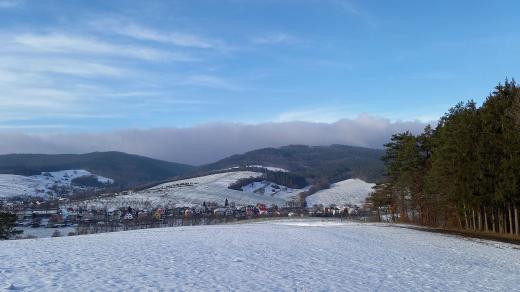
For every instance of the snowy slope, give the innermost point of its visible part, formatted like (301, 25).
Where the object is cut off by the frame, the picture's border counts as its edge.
(274, 190)
(350, 191)
(272, 256)
(271, 168)
(17, 185)
(193, 191)
(41, 185)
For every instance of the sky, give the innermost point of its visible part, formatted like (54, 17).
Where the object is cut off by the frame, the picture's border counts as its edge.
(72, 71)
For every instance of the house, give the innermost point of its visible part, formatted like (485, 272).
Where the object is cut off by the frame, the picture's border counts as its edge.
(158, 214)
(229, 212)
(251, 210)
(221, 211)
(114, 214)
(56, 218)
(128, 216)
(143, 215)
(262, 209)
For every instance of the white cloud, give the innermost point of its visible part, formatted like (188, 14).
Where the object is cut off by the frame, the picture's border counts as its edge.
(58, 65)
(356, 11)
(71, 44)
(210, 142)
(135, 31)
(210, 81)
(61, 72)
(348, 7)
(10, 3)
(36, 98)
(320, 115)
(275, 38)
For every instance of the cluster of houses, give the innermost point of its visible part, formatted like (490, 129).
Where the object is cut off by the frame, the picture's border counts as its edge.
(39, 215)
(46, 214)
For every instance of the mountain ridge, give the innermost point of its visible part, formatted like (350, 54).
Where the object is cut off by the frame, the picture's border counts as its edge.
(334, 163)
(126, 169)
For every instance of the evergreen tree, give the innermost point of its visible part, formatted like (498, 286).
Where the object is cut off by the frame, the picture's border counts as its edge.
(465, 172)
(7, 223)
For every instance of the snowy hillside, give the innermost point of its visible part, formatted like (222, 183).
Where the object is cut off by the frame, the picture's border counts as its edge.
(350, 191)
(297, 255)
(270, 168)
(193, 191)
(45, 184)
(268, 188)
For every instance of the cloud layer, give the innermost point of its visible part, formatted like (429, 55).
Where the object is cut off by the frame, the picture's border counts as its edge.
(210, 142)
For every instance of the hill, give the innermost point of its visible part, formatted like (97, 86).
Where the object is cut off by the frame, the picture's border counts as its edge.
(350, 191)
(125, 169)
(192, 192)
(335, 162)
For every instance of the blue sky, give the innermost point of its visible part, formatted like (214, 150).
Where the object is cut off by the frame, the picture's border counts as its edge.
(69, 66)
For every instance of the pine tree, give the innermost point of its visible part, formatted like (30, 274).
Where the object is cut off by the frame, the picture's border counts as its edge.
(7, 223)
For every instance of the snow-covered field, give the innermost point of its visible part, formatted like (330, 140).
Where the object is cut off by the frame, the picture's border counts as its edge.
(193, 191)
(350, 191)
(296, 255)
(42, 184)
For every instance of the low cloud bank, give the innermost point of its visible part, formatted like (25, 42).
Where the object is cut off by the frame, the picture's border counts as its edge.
(210, 142)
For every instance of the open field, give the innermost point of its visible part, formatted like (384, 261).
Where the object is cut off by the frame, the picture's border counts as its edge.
(276, 255)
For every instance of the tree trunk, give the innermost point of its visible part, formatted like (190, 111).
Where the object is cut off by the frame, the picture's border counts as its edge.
(479, 220)
(500, 225)
(473, 219)
(493, 220)
(516, 220)
(466, 218)
(485, 220)
(510, 220)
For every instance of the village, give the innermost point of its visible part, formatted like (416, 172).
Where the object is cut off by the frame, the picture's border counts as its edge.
(86, 220)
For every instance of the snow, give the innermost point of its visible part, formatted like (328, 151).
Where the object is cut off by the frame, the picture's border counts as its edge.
(271, 168)
(192, 192)
(350, 191)
(42, 232)
(40, 185)
(17, 185)
(272, 189)
(289, 255)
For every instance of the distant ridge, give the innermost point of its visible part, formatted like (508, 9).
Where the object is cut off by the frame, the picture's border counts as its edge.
(126, 170)
(334, 162)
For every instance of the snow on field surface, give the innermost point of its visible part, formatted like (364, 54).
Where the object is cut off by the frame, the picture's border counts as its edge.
(40, 185)
(194, 191)
(350, 191)
(302, 255)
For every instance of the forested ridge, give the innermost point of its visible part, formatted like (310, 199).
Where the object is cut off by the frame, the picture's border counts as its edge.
(463, 173)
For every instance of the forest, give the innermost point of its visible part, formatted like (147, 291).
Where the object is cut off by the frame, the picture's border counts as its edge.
(462, 173)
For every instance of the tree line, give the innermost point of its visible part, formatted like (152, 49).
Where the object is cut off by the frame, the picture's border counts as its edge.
(463, 173)
(283, 178)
